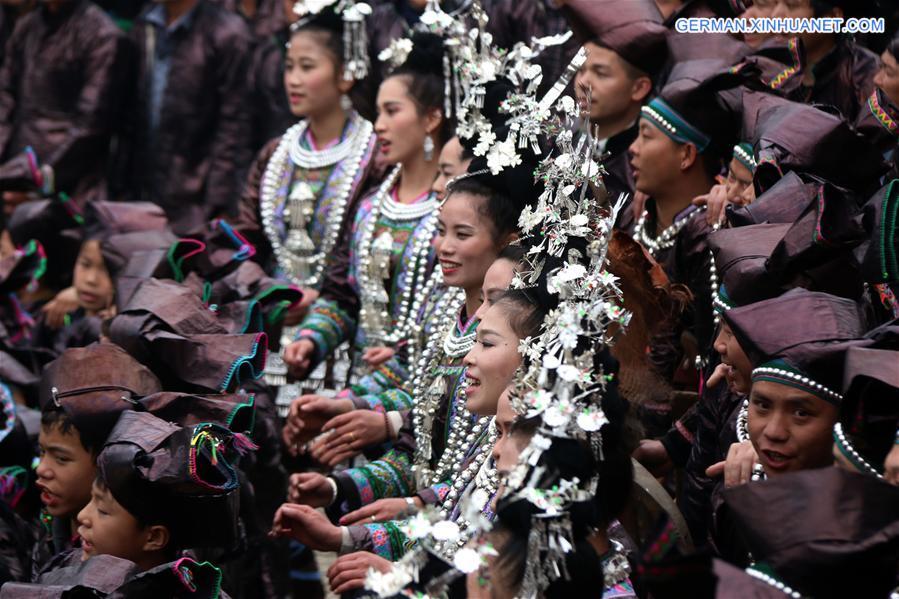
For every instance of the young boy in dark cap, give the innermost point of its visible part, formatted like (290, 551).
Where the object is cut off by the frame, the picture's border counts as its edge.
(82, 394)
(161, 488)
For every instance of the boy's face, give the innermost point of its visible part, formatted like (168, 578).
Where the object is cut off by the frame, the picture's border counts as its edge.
(91, 280)
(105, 527)
(655, 159)
(790, 429)
(65, 471)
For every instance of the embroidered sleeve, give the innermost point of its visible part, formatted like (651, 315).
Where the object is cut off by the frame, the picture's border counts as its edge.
(387, 378)
(435, 494)
(327, 326)
(388, 476)
(385, 539)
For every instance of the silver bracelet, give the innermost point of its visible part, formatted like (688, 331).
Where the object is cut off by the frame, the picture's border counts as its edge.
(411, 508)
(333, 484)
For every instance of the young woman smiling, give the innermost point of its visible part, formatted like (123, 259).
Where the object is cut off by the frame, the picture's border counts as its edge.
(473, 227)
(306, 182)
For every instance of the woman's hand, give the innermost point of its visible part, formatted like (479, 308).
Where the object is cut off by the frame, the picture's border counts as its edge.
(654, 457)
(297, 313)
(298, 357)
(349, 434)
(382, 510)
(375, 356)
(306, 525)
(348, 572)
(306, 417)
(737, 467)
(310, 488)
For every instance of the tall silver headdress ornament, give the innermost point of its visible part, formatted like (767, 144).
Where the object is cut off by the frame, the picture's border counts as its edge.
(355, 38)
(559, 383)
(568, 233)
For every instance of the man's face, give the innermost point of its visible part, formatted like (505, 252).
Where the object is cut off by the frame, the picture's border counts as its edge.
(606, 82)
(887, 77)
(802, 9)
(655, 158)
(790, 429)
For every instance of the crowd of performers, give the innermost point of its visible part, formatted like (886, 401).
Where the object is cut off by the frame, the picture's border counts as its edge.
(517, 299)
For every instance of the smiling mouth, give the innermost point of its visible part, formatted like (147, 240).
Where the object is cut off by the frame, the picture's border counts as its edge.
(471, 383)
(775, 459)
(447, 265)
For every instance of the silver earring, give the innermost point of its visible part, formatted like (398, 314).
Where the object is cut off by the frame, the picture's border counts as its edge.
(429, 148)
(346, 103)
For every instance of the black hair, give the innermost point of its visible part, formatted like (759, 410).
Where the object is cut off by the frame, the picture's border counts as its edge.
(499, 208)
(525, 426)
(160, 517)
(423, 74)
(54, 417)
(514, 252)
(712, 164)
(893, 47)
(329, 38)
(525, 317)
(566, 459)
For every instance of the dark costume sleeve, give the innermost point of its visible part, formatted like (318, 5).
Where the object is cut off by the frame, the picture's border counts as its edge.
(248, 221)
(271, 111)
(230, 150)
(96, 108)
(691, 267)
(715, 431)
(9, 74)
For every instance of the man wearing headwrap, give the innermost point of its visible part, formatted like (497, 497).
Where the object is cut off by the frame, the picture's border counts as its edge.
(60, 93)
(685, 135)
(837, 71)
(626, 50)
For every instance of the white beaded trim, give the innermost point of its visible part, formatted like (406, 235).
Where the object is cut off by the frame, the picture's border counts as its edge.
(770, 580)
(719, 303)
(745, 156)
(659, 119)
(847, 446)
(804, 380)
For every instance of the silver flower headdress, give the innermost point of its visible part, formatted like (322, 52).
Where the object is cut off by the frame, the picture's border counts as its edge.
(568, 233)
(567, 226)
(355, 37)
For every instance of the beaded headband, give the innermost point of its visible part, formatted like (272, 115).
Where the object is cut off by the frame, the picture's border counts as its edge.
(721, 302)
(778, 371)
(850, 453)
(672, 124)
(743, 154)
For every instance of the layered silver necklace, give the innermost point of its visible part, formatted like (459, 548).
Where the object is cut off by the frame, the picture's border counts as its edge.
(663, 240)
(428, 388)
(296, 256)
(375, 272)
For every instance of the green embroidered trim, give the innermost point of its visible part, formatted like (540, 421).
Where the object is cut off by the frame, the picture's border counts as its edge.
(889, 266)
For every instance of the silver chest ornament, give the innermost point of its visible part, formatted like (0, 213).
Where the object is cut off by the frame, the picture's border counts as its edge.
(301, 207)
